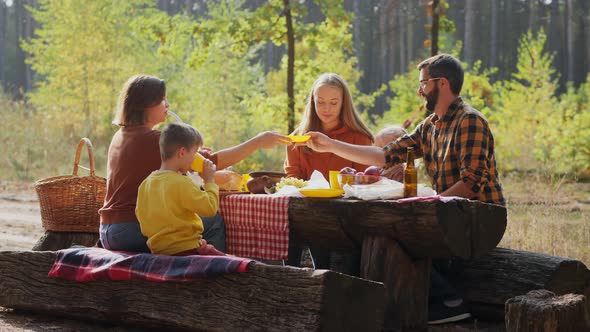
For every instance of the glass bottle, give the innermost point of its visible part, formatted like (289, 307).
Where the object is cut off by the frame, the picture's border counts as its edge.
(410, 176)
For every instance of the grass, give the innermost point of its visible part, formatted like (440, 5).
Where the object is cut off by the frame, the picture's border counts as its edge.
(550, 216)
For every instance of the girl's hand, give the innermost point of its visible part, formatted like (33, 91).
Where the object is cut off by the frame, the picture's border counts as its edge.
(209, 169)
(319, 142)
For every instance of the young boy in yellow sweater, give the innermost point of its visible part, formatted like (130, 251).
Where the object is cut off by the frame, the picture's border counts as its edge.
(169, 203)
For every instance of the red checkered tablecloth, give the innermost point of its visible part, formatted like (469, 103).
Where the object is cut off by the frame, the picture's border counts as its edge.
(256, 225)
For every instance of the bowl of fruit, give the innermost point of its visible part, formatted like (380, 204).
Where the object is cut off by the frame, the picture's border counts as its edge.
(350, 176)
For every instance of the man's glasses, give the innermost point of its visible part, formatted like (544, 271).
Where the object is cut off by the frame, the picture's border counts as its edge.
(424, 82)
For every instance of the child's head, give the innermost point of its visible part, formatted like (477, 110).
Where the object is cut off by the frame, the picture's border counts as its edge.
(388, 135)
(139, 93)
(179, 142)
(330, 101)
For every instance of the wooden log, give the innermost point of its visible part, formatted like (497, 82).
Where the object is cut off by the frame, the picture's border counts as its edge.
(489, 281)
(60, 240)
(272, 298)
(407, 283)
(542, 310)
(424, 229)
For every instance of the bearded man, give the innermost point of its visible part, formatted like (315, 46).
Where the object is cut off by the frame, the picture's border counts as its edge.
(458, 150)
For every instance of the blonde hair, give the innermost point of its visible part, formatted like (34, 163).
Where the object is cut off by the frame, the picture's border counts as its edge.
(138, 94)
(390, 134)
(348, 115)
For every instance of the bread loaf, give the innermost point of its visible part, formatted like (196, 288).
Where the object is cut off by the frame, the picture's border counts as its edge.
(228, 180)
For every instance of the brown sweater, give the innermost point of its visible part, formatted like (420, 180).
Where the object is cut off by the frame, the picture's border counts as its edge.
(133, 154)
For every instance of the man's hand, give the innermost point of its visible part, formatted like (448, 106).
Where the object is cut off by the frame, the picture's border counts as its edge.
(319, 142)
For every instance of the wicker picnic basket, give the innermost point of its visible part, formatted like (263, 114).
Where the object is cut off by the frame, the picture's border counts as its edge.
(70, 203)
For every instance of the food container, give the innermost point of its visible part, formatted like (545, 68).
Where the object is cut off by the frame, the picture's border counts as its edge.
(357, 179)
(263, 179)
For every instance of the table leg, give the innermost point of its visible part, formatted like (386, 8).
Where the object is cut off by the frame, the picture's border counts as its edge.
(407, 282)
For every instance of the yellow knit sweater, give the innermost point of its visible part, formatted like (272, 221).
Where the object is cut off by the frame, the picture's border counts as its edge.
(168, 208)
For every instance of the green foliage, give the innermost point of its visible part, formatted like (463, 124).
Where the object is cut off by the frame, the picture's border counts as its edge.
(524, 106)
(36, 149)
(85, 50)
(566, 136)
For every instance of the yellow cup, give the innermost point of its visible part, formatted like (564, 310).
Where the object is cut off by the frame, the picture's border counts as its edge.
(245, 179)
(197, 164)
(334, 184)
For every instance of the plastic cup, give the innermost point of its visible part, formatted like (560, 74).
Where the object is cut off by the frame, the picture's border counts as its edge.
(245, 178)
(334, 184)
(197, 164)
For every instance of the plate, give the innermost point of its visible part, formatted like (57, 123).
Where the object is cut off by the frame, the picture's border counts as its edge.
(326, 193)
(267, 173)
(299, 139)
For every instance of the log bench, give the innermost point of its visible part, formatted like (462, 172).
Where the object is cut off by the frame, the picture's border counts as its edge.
(492, 279)
(269, 298)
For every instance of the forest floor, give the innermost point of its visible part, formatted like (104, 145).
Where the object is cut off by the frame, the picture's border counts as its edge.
(548, 216)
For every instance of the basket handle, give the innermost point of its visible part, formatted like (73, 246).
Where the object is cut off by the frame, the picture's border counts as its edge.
(84, 141)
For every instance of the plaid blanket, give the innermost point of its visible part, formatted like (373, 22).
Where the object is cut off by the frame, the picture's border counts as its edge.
(89, 264)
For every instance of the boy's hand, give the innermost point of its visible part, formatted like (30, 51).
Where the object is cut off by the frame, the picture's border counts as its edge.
(209, 169)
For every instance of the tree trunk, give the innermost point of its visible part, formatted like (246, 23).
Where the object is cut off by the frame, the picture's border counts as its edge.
(470, 27)
(21, 76)
(411, 20)
(266, 298)
(555, 37)
(406, 282)
(494, 34)
(62, 240)
(28, 32)
(290, 65)
(533, 15)
(3, 17)
(587, 35)
(570, 40)
(163, 5)
(489, 281)
(383, 59)
(357, 31)
(434, 31)
(542, 310)
(403, 23)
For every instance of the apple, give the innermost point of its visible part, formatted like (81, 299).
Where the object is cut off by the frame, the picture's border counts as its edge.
(373, 170)
(372, 178)
(359, 178)
(348, 170)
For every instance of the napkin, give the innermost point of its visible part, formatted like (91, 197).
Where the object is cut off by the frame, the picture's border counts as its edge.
(316, 181)
(382, 189)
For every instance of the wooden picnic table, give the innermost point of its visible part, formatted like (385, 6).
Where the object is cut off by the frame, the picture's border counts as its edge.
(398, 240)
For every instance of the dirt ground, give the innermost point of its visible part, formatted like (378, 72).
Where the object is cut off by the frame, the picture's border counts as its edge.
(20, 228)
(20, 218)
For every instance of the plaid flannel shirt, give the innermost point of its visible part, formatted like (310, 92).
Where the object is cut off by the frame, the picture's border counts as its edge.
(458, 147)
